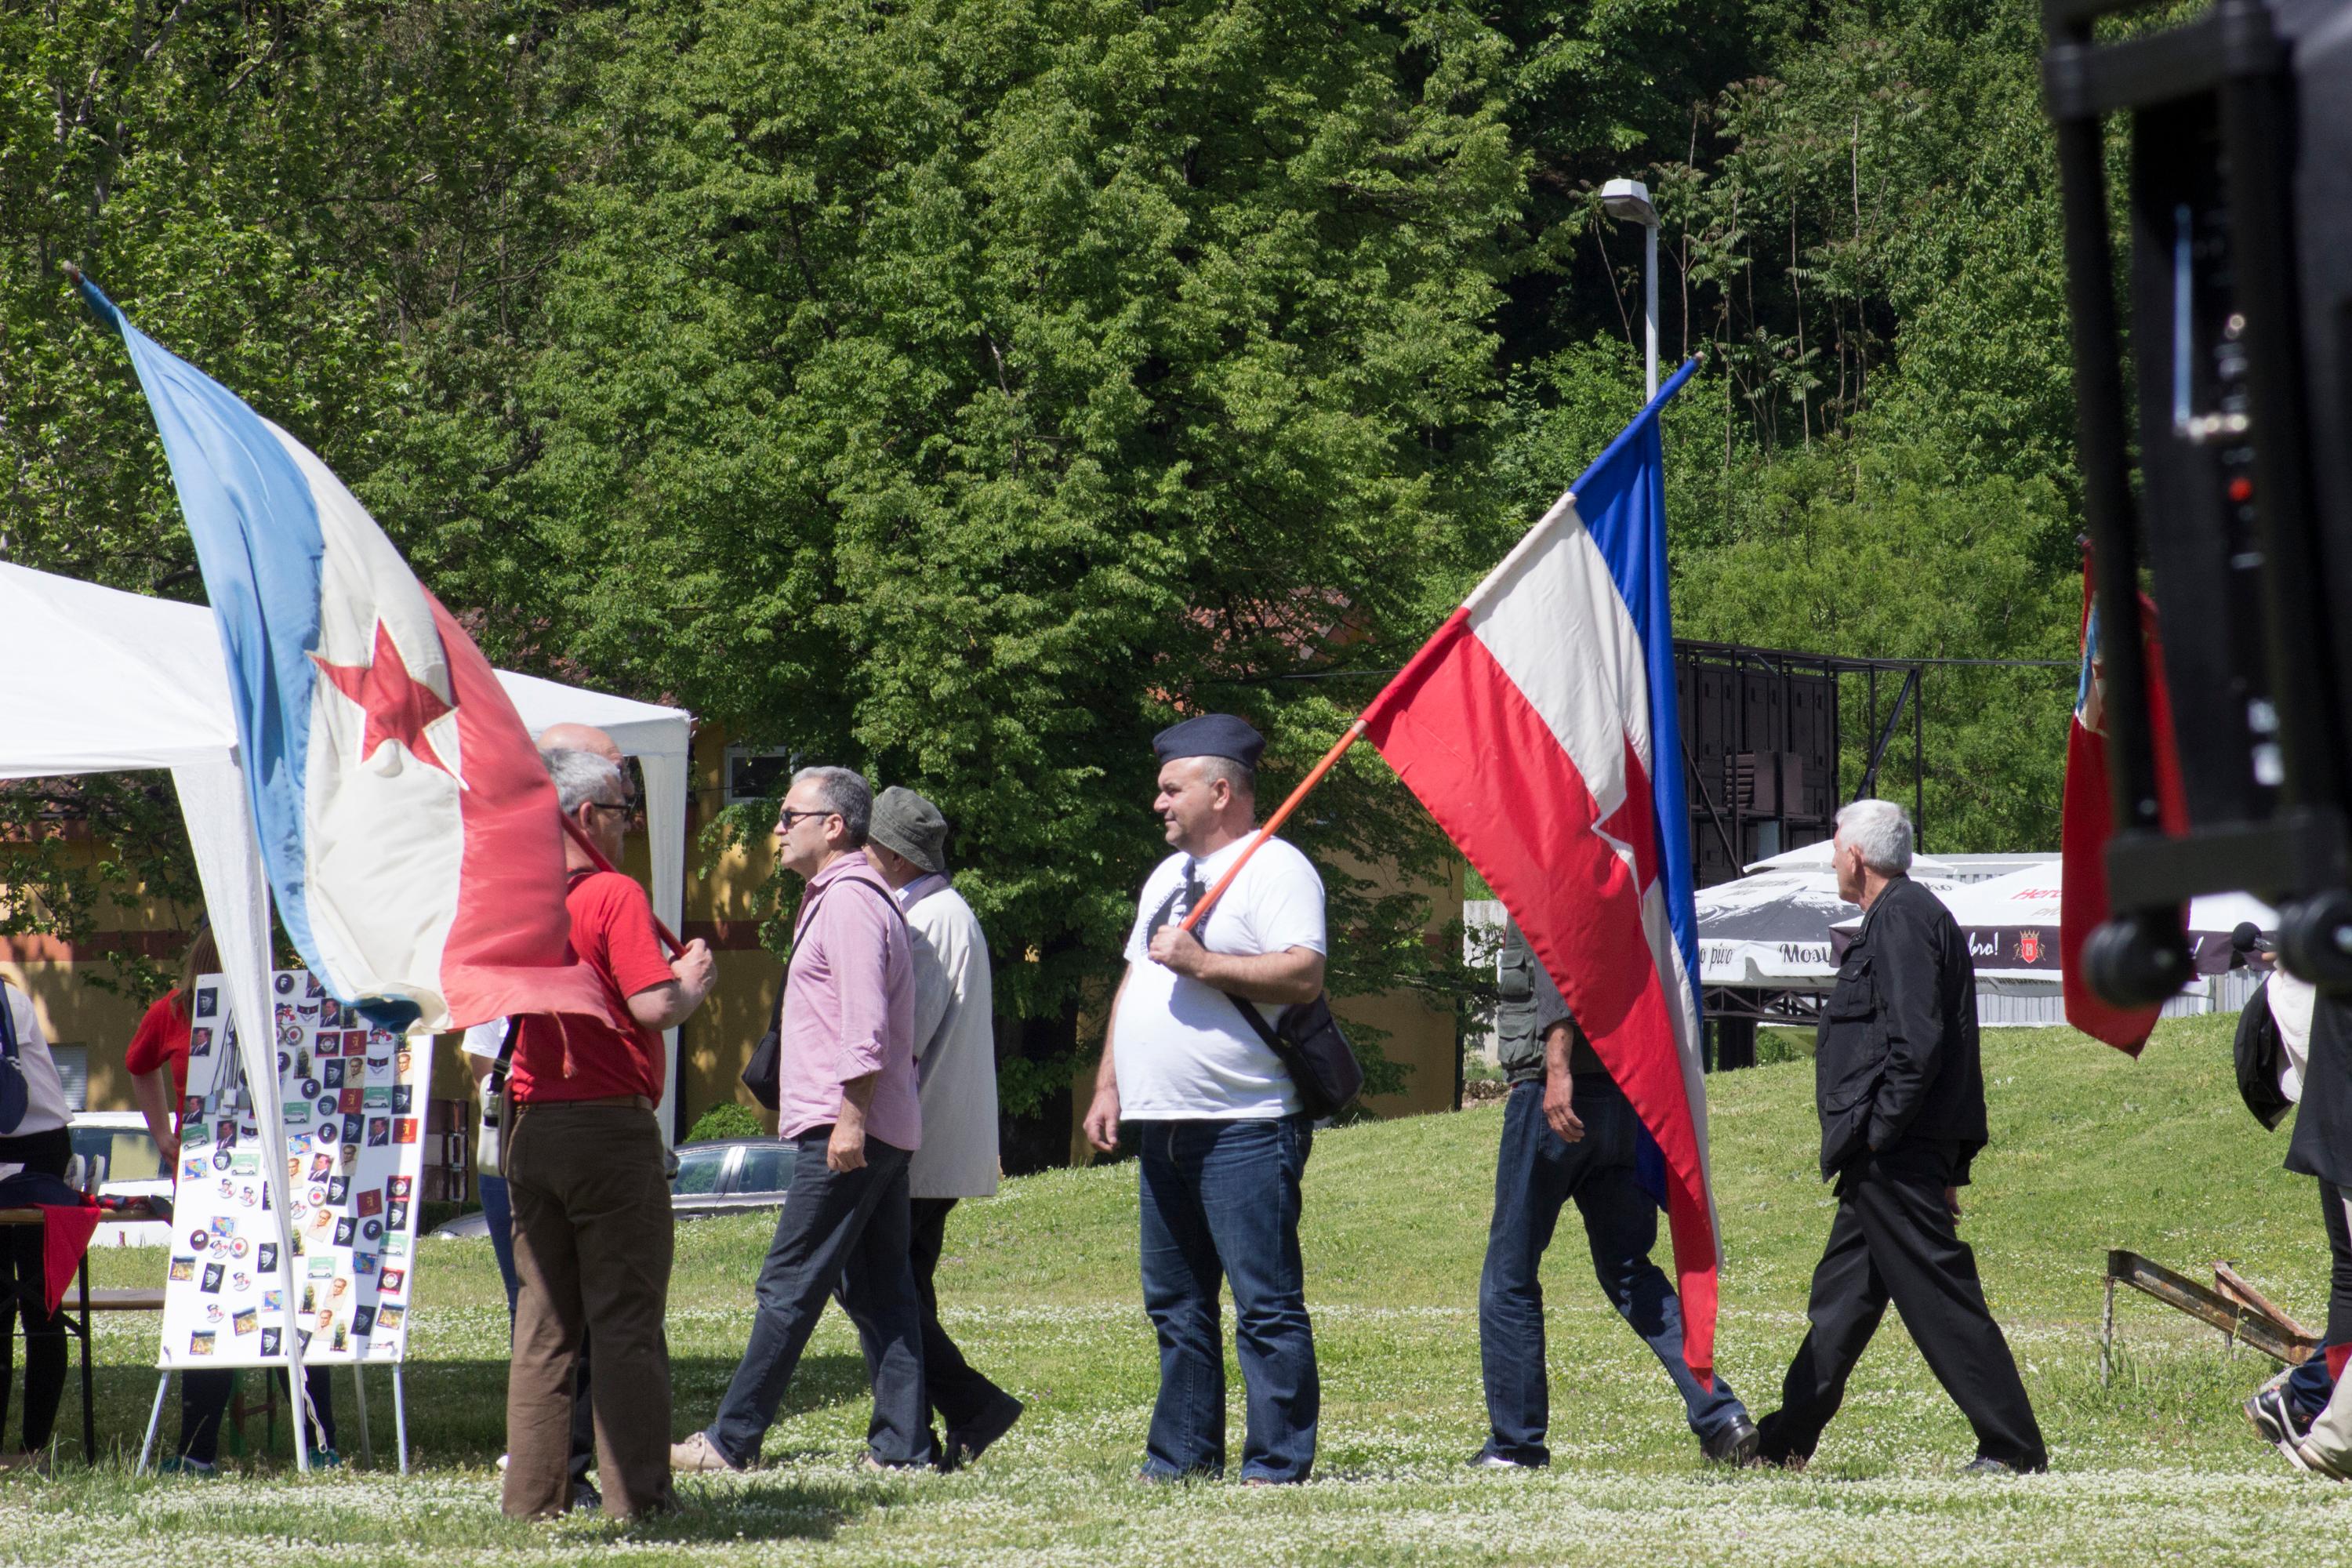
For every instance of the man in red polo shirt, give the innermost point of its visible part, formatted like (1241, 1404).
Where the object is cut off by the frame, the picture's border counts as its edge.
(587, 1179)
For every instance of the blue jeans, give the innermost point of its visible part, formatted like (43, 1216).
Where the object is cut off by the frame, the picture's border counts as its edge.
(1535, 1173)
(845, 1232)
(1220, 1203)
(498, 1214)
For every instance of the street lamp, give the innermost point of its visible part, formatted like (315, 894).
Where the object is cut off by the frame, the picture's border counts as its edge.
(1628, 201)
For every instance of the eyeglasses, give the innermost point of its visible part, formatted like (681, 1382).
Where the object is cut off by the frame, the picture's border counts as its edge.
(785, 818)
(628, 807)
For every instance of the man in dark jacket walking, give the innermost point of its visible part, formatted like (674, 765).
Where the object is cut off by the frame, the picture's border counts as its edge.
(1900, 1092)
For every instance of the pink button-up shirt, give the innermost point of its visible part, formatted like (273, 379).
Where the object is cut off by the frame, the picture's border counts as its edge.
(849, 1008)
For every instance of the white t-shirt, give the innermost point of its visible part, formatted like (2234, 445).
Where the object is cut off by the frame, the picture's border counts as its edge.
(2291, 1000)
(1183, 1052)
(485, 1040)
(45, 1091)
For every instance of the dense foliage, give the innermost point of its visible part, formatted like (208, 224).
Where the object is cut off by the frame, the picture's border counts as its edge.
(957, 388)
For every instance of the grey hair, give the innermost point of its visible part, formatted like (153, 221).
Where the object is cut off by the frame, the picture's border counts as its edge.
(580, 777)
(1243, 779)
(844, 791)
(1880, 830)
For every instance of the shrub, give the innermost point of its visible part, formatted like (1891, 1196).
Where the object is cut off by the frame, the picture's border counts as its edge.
(727, 1120)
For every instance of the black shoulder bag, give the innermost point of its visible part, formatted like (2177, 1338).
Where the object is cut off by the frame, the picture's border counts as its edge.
(1306, 1038)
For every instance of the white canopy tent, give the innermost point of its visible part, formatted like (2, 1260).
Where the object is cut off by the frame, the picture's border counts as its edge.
(108, 680)
(102, 681)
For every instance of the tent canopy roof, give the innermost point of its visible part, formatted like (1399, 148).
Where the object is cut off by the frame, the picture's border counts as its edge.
(110, 680)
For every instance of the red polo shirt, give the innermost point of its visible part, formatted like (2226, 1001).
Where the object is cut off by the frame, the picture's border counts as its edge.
(571, 1055)
(162, 1036)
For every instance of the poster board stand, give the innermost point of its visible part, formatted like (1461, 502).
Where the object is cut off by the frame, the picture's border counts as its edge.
(349, 1111)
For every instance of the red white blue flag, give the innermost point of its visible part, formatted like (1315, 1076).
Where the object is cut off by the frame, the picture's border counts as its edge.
(411, 833)
(1540, 727)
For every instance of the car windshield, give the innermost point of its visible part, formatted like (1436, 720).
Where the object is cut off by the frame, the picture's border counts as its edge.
(130, 1155)
(698, 1170)
(766, 1168)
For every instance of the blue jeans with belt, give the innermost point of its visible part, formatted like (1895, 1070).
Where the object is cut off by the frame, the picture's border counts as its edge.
(1536, 1172)
(1220, 1204)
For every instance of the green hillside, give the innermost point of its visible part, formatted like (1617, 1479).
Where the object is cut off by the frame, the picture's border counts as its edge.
(2091, 1151)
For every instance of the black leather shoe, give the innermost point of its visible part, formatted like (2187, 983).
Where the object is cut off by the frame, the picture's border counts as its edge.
(1735, 1444)
(1986, 1464)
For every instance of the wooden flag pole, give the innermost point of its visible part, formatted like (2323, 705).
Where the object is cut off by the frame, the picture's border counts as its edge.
(596, 854)
(1282, 814)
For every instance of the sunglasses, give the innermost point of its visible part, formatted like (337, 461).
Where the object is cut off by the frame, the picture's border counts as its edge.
(786, 817)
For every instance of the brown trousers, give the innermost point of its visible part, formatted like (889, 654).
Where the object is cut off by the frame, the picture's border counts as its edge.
(592, 1248)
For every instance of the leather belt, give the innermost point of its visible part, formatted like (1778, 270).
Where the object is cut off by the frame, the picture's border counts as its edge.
(628, 1102)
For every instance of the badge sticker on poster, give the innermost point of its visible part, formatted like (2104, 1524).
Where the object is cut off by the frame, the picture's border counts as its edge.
(352, 1128)
(363, 1319)
(345, 1228)
(369, 1201)
(213, 1274)
(339, 1189)
(266, 1257)
(353, 1100)
(388, 1318)
(331, 1073)
(391, 1280)
(404, 1129)
(376, 1098)
(378, 1129)
(273, 1301)
(201, 1342)
(208, 1002)
(298, 1113)
(271, 1340)
(397, 1187)
(200, 1042)
(245, 1321)
(184, 1268)
(395, 1216)
(364, 1262)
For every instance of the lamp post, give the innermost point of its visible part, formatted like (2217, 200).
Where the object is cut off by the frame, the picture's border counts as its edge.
(1628, 201)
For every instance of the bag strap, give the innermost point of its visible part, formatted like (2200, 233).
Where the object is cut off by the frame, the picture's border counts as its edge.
(505, 1055)
(1256, 1019)
(8, 1051)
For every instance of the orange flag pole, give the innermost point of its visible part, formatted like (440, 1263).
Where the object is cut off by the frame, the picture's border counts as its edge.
(1282, 814)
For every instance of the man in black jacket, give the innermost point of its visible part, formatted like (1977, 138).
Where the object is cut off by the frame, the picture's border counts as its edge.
(1900, 1093)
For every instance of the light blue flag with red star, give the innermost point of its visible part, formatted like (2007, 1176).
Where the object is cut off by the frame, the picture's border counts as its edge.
(412, 836)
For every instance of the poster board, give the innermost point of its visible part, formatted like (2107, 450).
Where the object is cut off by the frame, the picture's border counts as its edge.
(353, 1101)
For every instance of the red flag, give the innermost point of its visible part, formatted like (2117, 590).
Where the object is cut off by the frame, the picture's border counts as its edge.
(1539, 726)
(2089, 822)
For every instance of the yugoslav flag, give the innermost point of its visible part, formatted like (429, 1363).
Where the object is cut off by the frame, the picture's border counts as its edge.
(411, 833)
(1539, 728)
(2087, 822)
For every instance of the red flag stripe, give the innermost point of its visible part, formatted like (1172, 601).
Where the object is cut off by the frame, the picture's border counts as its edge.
(1491, 770)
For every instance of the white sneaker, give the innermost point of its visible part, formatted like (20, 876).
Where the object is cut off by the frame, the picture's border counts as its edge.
(698, 1455)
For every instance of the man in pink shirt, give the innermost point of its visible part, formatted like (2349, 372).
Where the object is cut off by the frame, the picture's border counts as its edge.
(847, 1101)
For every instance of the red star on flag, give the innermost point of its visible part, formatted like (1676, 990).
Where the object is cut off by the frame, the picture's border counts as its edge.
(398, 706)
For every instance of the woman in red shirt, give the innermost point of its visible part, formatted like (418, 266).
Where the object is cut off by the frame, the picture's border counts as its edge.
(157, 1060)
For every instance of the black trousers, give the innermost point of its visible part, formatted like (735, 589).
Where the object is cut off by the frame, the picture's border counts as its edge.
(204, 1400)
(958, 1394)
(23, 1283)
(1893, 1239)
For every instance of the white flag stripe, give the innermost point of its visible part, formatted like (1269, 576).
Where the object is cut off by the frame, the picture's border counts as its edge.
(1527, 613)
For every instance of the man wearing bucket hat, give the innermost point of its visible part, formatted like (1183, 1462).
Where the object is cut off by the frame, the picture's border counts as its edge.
(1214, 1113)
(955, 1067)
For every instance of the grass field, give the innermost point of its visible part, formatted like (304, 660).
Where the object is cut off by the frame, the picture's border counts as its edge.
(2090, 1151)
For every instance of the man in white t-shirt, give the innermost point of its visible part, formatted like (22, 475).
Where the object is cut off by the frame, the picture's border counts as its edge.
(1213, 1113)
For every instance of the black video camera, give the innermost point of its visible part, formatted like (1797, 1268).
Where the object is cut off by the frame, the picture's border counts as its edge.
(2239, 205)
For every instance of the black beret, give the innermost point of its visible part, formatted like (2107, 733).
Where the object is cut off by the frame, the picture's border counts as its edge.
(1211, 735)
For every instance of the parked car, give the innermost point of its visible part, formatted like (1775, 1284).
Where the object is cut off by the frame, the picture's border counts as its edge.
(134, 1169)
(719, 1177)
